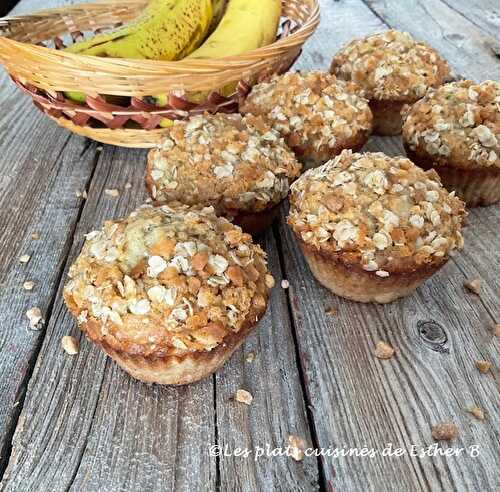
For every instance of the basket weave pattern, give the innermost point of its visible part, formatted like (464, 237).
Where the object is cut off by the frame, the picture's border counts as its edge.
(31, 50)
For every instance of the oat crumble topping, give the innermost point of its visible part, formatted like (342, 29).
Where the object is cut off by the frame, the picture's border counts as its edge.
(457, 124)
(167, 279)
(390, 66)
(226, 161)
(382, 212)
(314, 111)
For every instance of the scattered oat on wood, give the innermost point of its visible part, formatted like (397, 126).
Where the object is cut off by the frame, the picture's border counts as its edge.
(477, 412)
(35, 316)
(297, 447)
(128, 186)
(332, 311)
(112, 192)
(444, 431)
(70, 345)
(473, 285)
(35, 236)
(250, 357)
(383, 350)
(28, 285)
(25, 258)
(243, 396)
(82, 194)
(483, 366)
(285, 284)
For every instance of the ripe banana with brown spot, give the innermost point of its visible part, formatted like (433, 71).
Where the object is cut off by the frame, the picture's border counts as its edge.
(166, 30)
(245, 26)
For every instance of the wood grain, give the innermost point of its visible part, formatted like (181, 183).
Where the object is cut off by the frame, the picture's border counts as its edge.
(359, 401)
(463, 44)
(277, 409)
(86, 425)
(98, 429)
(37, 194)
(485, 14)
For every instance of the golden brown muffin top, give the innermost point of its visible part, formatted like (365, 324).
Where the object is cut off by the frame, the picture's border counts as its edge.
(457, 124)
(390, 65)
(226, 161)
(167, 279)
(311, 108)
(383, 213)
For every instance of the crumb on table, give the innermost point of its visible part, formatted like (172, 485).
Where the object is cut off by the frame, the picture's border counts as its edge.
(473, 285)
(483, 366)
(383, 350)
(444, 431)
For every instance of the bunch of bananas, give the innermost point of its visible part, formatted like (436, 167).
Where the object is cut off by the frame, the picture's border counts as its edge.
(194, 29)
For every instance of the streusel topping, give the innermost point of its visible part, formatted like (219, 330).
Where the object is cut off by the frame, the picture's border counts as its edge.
(458, 124)
(168, 278)
(382, 212)
(390, 66)
(311, 108)
(226, 161)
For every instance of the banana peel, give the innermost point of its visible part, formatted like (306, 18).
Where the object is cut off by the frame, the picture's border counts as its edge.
(245, 26)
(166, 30)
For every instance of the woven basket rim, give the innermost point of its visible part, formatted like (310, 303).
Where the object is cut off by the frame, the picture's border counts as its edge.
(190, 86)
(145, 67)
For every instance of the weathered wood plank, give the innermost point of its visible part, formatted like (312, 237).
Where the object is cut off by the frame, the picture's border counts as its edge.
(86, 423)
(359, 401)
(126, 435)
(37, 194)
(464, 45)
(277, 409)
(485, 14)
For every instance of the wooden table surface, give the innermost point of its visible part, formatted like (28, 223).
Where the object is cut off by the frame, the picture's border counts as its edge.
(80, 423)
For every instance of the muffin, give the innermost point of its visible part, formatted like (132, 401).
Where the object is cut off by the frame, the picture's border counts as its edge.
(373, 227)
(238, 165)
(169, 292)
(456, 130)
(392, 70)
(318, 115)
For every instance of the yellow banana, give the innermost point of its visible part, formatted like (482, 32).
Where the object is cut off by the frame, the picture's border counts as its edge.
(166, 30)
(246, 25)
(219, 9)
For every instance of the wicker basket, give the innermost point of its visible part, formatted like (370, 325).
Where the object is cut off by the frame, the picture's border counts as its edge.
(27, 50)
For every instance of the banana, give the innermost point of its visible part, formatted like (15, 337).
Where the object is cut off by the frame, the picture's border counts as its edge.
(219, 9)
(246, 25)
(166, 30)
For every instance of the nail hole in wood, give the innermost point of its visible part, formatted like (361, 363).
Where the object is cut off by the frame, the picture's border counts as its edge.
(433, 335)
